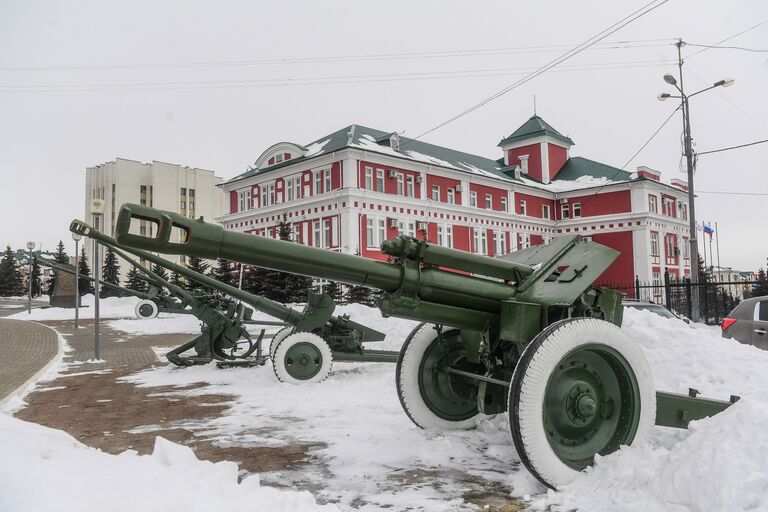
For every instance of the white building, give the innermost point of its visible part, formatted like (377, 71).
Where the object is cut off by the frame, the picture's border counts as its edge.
(187, 190)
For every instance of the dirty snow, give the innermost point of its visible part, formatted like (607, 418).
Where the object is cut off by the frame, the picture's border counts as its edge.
(111, 307)
(47, 469)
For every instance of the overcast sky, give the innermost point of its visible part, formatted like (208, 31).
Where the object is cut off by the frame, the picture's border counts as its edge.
(117, 82)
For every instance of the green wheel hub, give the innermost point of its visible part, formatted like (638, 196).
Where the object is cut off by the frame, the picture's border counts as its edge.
(591, 405)
(145, 310)
(303, 360)
(448, 396)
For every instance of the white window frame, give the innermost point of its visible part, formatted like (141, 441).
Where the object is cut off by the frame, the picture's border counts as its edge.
(297, 186)
(318, 181)
(435, 192)
(503, 204)
(410, 186)
(523, 207)
(653, 203)
(488, 201)
(473, 199)
(327, 234)
(451, 195)
(288, 189)
(400, 178)
(370, 231)
(449, 236)
(327, 181)
(316, 234)
(655, 243)
(368, 180)
(565, 211)
(576, 210)
(380, 184)
(545, 212)
(381, 230)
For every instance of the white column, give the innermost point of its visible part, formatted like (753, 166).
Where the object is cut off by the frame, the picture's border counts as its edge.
(545, 162)
(349, 173)
(349, 230)
(464, 193)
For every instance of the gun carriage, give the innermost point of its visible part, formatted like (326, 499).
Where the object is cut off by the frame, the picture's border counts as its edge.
(527, 333)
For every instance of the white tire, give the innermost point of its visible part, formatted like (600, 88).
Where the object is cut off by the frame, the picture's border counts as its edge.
(302, 358)
(146, 309)
(409, 390)
(571, 360)
(277, 338)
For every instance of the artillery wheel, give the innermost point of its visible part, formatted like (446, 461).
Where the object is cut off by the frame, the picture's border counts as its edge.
(146, 309)
(432, 398)
(277, 338)
(581, 388)
(302, 358)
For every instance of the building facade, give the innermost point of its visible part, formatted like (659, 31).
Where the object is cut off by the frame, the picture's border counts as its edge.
(352, 189)
(189, 191)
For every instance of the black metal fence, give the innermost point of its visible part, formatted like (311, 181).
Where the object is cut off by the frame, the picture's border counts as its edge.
(716, 298)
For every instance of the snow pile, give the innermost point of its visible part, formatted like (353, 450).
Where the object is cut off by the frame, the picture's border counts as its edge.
(579, 183)
(110, 307)
(719, 462)
(47, 469)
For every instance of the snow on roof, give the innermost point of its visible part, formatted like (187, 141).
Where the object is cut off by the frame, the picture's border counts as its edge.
(579, 183)
(316, 148)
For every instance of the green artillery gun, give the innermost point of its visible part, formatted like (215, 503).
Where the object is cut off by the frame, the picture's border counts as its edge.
(527, 333)
(300, 361)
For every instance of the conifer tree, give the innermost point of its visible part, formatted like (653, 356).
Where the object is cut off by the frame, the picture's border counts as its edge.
(223, 273)
(333, 289)
(358, 294)
(761, 287)
(197, 265)
(59, 257)
(37, 283)
(10, 276)
(85, 285)
(110, 273)
(175, 279)
(160, 270)
(135, 281)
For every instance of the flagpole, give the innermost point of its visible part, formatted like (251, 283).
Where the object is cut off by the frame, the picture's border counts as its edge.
(717, 244)
(704, 243)
(711, 259)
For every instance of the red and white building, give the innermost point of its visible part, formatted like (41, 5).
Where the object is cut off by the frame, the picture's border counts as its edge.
(354, 188)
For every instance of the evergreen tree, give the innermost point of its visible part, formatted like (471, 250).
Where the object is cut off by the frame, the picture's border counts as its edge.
(37, 283)
(358, 295)
(10, 276)
(333, 289)
(223, 273)
(253, 280)
(110, 273)
(59, 257)
(286, 287)
(175, 279)
(85, 285)
(135, 281)
(197, 265)
(760, 289)
(161, 271)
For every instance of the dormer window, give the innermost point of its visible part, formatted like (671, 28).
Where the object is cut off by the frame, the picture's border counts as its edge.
(394, 142)
(278, 158)
(523, 164)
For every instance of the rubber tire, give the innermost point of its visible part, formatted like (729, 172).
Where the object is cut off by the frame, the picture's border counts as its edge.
(407, 383)
(145, 302)
(302, 337)
(277, 338)
(529, 382)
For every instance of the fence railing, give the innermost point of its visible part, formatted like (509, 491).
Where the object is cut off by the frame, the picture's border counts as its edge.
(716, 298)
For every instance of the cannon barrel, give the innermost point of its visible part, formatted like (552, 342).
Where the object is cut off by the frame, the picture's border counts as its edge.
(207, 240)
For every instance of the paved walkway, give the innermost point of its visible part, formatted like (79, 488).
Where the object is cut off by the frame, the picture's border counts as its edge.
(11, 305)
(25, 349)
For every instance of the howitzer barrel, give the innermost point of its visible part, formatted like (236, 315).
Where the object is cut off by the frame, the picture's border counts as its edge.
(207, 240)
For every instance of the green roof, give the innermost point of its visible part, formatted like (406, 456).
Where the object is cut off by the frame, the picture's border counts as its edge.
(535, 127)
(578, 166)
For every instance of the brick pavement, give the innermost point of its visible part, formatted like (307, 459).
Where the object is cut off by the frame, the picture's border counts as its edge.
(25, 349)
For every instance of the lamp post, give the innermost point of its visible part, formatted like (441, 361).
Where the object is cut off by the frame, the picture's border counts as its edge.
(30, 246)
(690, 163)
(77, 238)
(97, 210)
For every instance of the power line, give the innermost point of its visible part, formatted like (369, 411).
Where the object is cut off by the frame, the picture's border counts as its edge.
(322, 80)
(569, 54)
(607, 45)
(734, 36)
(729, 101)
(732, 193)
(732, 147)
(648, 141)
(710, 46)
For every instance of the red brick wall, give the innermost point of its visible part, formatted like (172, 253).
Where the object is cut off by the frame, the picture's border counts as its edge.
(557, 158)
(496, 195)
(623, 269)
(603, 204)
(533, 205)
(233, 202)
(534, 158)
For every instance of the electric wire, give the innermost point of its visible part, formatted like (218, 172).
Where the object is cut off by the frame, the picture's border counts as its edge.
(732, 147)
(714, 46)
(727, 193)
(734, 36)
(645, 9)
(728, 100)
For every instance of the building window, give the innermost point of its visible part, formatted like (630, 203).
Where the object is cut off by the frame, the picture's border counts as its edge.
(576, 210)
(191, 192)
(327, 242)
(183, 191)
(503, 204)
(289, 190)
(441, 235)
(368, 178)
(380, 180)
(296, 232)
(449, 236)
(522, 207)
(435, 192)
(656, 281)
(488, 202)
(686, 249)
(452, 195)
(653, 204)
(564, 211)
(480, 237)
(271, 194)
(327, 180)
(684, 211)
(400, 184)
(525, 240)
(370, 233)
(316, 240)
(445, 235)
(318, 182)
(654, 243)
(499, 247)
(410, 187)
(411, 228)
(278, 158)
(381, 231)
(524, 163)
(473, 199)
(545, 211)
(244, 200)
(668, 206)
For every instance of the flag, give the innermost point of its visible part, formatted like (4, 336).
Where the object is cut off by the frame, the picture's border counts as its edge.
(708, 230)
(698, 226)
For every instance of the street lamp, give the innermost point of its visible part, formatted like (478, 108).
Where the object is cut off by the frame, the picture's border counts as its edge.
(30, 246)
(77, 239)
(689, 158)
(97, 210)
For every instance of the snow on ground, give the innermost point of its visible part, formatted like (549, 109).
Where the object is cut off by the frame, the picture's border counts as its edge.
(47, 469)
(111, 307)
(367, 445)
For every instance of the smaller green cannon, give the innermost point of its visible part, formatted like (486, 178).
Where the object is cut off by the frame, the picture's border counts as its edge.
(311, 341)
(528, 334)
